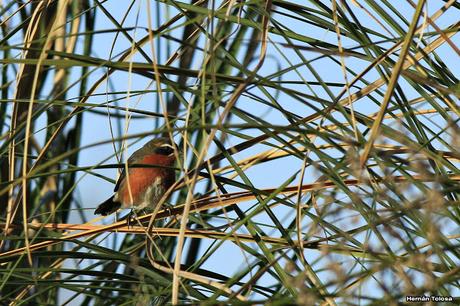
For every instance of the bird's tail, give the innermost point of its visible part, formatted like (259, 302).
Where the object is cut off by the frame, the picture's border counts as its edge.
(107, 207)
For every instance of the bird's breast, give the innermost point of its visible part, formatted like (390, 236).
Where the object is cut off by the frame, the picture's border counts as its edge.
(144, 187)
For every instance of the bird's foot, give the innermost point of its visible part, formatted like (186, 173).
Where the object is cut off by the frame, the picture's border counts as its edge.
(172, 216)
(131, 218)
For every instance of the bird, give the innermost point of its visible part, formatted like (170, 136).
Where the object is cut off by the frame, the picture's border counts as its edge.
(143, 187)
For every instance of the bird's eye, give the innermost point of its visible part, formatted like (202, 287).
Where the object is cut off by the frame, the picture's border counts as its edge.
(165, 150)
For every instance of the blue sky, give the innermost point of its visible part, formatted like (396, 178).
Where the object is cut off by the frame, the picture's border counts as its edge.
(92, 190)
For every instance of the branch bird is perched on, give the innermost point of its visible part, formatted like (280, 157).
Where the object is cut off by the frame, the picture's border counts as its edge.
(143, 187)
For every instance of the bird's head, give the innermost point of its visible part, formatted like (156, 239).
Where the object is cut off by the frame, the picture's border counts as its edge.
(162, 146)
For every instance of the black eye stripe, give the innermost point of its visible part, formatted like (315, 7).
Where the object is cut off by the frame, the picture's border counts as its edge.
(164, 150)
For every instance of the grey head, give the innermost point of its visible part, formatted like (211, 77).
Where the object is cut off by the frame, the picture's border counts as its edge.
(161, 145)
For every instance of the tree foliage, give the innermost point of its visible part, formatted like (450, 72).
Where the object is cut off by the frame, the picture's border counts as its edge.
(319, 146)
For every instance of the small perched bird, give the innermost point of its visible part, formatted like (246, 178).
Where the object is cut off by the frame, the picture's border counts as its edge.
(146, 185)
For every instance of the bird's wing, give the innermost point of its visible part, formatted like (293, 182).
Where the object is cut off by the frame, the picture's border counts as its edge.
(131, 159)
(120, 179)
